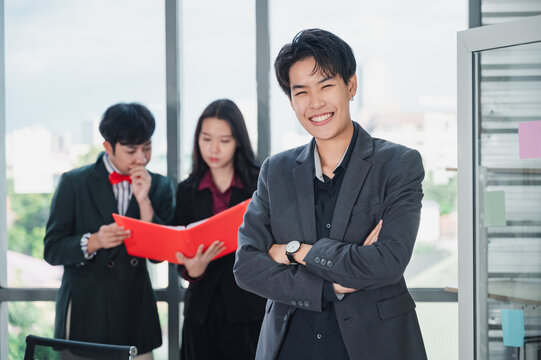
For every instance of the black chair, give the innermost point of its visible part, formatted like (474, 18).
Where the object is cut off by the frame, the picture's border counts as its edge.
(39, 348)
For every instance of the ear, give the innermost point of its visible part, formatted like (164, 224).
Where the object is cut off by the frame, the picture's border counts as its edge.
(108, 148)
(352, 86)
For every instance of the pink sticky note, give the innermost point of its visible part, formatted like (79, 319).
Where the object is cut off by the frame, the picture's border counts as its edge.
(529, 139)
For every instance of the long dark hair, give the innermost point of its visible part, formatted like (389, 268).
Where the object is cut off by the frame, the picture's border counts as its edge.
(246, 166)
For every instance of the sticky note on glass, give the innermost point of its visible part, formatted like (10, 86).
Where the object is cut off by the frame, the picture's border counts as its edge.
(495, 208)
(529, 139)
(513, 327)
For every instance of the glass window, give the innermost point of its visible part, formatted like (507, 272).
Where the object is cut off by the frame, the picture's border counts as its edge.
(66, 62)
(406, 71)
(218, 59)
(436, 319)
(36, 318)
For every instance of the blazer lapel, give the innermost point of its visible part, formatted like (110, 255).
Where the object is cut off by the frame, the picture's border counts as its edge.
(356, 172)
(102, 192)
(303, 177)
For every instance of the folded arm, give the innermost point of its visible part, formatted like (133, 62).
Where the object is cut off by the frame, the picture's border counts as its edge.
(368, 267)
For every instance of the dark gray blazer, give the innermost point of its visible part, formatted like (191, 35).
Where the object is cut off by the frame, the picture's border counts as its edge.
(382, 181)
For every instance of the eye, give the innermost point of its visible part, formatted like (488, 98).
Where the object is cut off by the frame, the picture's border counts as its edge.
(226, 141)
(205, 139)
(327, 86)
(300, 93)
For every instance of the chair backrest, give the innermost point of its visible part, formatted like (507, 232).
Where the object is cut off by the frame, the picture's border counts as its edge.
(39, 348)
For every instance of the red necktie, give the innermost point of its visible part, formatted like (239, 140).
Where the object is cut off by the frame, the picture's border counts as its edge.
(115, 178)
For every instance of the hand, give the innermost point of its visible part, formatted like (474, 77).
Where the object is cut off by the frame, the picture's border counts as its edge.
(140, 183)
(277, 252)
(108, 236)
(197, 265)
(339, 289)
(373, 236)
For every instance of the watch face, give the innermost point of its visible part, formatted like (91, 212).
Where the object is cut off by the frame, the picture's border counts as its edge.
(293, 246)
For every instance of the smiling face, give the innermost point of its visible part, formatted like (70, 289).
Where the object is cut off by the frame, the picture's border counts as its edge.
(126, 157)
(216, 143)
(321, 102)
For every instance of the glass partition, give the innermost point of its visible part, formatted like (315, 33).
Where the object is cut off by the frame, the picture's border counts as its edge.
(508, 188)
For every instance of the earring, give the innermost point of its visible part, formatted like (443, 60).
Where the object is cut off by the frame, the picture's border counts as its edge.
(353, 97)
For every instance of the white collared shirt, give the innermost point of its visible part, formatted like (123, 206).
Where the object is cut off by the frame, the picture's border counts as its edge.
(122, 190)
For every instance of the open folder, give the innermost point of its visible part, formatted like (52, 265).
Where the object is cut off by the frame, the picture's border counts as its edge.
(161, 242)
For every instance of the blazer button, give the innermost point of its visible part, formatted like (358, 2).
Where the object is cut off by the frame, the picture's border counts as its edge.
(134, 262)
(110, 264)
(306, 303)
(317, 259)
(330, 263)
(294, 303)
(323, 262)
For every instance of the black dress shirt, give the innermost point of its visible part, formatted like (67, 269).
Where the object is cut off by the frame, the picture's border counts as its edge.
(315, 335)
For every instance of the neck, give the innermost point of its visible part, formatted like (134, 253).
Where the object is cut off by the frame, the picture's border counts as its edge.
(115, 167)
(222, 177)
(332, 150)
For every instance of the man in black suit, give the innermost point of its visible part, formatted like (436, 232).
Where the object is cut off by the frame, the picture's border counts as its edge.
(332, 294)
(106, 295)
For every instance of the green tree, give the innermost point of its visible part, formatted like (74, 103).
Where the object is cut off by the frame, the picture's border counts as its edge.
(31, 212)
(444, 195)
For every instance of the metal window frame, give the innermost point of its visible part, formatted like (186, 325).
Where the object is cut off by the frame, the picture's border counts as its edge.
(469, 44)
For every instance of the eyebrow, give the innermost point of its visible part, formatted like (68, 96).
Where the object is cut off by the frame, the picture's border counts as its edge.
(222, 136)
(327, 78)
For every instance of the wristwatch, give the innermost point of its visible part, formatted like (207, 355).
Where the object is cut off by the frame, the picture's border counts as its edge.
(291, 248)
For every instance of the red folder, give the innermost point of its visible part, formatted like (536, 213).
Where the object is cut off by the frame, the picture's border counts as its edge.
(160, 242)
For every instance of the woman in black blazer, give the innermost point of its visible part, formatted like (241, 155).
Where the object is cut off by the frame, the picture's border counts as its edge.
(221, 321)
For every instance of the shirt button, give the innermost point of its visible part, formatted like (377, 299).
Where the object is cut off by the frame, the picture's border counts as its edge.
(317, 259)
(323, 262)
(293, 302)
(319, 336)
(330, 263)
(328, 226)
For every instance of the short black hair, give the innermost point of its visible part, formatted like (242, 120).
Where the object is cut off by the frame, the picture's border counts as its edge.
(127, 124)
(331, 54)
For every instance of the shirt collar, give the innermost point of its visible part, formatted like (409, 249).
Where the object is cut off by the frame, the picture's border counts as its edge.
(345, 156)
(207, 183)
(109, 165)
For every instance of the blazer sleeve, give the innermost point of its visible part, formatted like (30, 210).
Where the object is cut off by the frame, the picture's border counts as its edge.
(382, 263)
(62, 246)
(254, 269)
(163, 201)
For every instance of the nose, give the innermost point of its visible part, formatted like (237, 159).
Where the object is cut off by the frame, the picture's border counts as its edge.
(214, 147)
(141, 158)
(316, 100)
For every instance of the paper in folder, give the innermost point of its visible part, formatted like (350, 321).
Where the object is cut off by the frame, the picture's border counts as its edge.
(161, 242)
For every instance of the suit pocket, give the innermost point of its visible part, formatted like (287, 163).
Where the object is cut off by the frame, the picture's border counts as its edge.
(395, 306)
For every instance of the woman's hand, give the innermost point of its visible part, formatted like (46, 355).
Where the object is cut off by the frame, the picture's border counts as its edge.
(197, 265)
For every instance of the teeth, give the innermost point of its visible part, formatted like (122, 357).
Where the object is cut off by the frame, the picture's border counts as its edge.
(321, 118)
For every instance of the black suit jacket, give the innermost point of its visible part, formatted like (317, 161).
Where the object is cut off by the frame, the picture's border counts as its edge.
(240, 306)
(111, 294)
